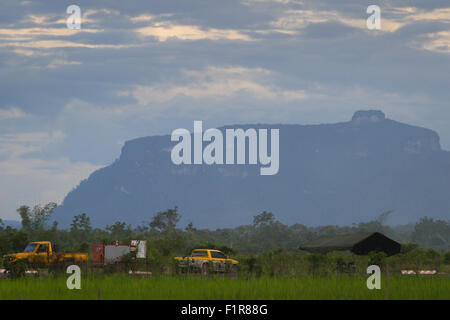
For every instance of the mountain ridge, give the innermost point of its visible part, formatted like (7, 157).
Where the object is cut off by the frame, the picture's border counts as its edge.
(339, 173)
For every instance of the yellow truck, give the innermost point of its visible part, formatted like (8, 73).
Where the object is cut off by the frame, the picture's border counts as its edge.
(206, 260)
(44, 254)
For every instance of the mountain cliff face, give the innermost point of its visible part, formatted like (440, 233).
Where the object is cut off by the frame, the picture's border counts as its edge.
(339, 173)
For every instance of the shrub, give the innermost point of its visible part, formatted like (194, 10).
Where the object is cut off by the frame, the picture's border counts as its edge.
(447, 258)
(377, 258)
(251, 266)
(315, 261)
(17, 269)
(409, 247)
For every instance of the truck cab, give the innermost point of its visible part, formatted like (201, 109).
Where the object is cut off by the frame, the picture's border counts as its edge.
(39, 250)
(206, 260)
(44, 253)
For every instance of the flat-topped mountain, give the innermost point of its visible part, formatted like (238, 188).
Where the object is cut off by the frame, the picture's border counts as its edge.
(338, 173)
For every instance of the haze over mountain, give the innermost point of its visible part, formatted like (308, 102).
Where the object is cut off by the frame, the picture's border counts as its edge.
(12, 224)
(340, 173)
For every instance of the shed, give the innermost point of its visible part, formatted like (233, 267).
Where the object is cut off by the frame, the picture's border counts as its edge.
(358, 243)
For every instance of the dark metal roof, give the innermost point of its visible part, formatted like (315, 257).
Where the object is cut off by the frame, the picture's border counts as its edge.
(359, 243)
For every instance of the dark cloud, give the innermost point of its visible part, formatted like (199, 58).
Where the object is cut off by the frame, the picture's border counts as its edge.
(327, 30)
(319, 49)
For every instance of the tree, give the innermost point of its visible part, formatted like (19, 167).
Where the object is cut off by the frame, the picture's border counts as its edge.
(377, 225)
(35, 220)
(24, 212)
(263, 219)
(12, 240)
(120, 231)
(190, 227)
(166, 221)
(41, 215)
(432, 233)
(447, 258)
(80, 227)
(408, 247)
(434, 257)
(383, 217)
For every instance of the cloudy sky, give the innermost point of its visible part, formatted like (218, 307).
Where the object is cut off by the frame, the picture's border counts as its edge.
(70, 98)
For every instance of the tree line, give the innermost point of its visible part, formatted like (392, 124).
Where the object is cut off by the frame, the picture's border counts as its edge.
(166, 238)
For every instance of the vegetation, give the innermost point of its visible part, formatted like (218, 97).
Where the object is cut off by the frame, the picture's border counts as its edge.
(271, 266)
(124, 287)
(265, 248)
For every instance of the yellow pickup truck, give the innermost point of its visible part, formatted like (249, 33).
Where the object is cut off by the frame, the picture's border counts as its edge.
(206, 260)
(45, 253)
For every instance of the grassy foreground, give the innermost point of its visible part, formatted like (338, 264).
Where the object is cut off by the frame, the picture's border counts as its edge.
(166, 288)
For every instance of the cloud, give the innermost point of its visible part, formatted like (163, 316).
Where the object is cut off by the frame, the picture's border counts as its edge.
(51, 19)
(13, 113)
(56, 63)
(300, 19)
(436, 41)
(49, 31)
(132, 71)
(36, 181)
(28, 179)
(30, 33)
(44, 20)
(53, 44)
(164, 31)
(15, 145)
(96, 12)
(148, 17)
(30, 53)
(216, 83)
(392, 18)
(415, 14)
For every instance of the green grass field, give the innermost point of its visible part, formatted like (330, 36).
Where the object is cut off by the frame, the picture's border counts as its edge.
(166, 288)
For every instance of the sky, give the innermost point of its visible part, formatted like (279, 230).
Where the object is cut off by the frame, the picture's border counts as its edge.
(69, 98)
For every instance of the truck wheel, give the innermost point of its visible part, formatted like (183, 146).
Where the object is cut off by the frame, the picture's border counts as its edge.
(205, 269)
